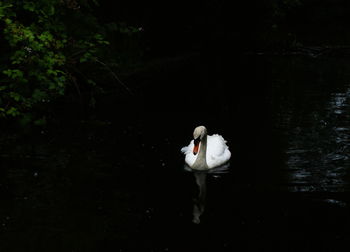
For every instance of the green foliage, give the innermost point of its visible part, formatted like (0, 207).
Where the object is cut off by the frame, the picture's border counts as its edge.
(45, 43)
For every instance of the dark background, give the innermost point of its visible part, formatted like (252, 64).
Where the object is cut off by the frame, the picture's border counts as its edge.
(261, 73)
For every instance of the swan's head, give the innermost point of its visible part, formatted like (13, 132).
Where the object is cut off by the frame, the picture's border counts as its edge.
(199, 132)
(198, 135)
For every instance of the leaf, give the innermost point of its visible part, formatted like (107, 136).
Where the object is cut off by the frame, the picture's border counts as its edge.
(38, 95)
(13, 73)
(3, 10)
(40, 122)
(12, 111)
(91, 82)
(16, 96)
(29, 6)
(51, 10)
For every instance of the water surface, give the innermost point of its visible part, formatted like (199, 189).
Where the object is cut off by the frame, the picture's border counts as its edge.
(118, 181)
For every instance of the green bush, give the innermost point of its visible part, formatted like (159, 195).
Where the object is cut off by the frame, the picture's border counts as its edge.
(43, 45)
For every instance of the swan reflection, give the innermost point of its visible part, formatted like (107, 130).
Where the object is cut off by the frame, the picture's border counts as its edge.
(199, 200)
(201, 183)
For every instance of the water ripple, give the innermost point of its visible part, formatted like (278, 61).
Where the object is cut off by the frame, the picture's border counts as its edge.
(318, 147)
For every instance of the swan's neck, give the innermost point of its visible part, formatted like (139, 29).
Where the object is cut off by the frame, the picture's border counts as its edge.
(201, 161)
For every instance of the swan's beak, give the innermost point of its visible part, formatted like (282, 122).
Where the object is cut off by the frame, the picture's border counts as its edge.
(196, 146)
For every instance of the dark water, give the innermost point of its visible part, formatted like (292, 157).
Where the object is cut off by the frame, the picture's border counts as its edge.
(118, 183)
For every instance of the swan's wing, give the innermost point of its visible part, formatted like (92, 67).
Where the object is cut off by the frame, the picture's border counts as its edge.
(187, 149)
(216, 145)
(217, 151)
(189, 157)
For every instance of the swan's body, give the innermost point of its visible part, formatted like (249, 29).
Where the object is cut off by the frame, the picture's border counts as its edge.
(206, 152)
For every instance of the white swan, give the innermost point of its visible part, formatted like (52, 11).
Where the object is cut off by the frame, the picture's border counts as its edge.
(206, 152)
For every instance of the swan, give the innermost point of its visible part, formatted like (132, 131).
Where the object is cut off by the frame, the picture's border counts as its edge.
(206, 152)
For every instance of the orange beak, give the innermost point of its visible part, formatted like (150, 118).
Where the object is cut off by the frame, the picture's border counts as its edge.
(195, 148)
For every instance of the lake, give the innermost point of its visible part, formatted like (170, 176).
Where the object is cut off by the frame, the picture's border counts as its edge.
(116, 179)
